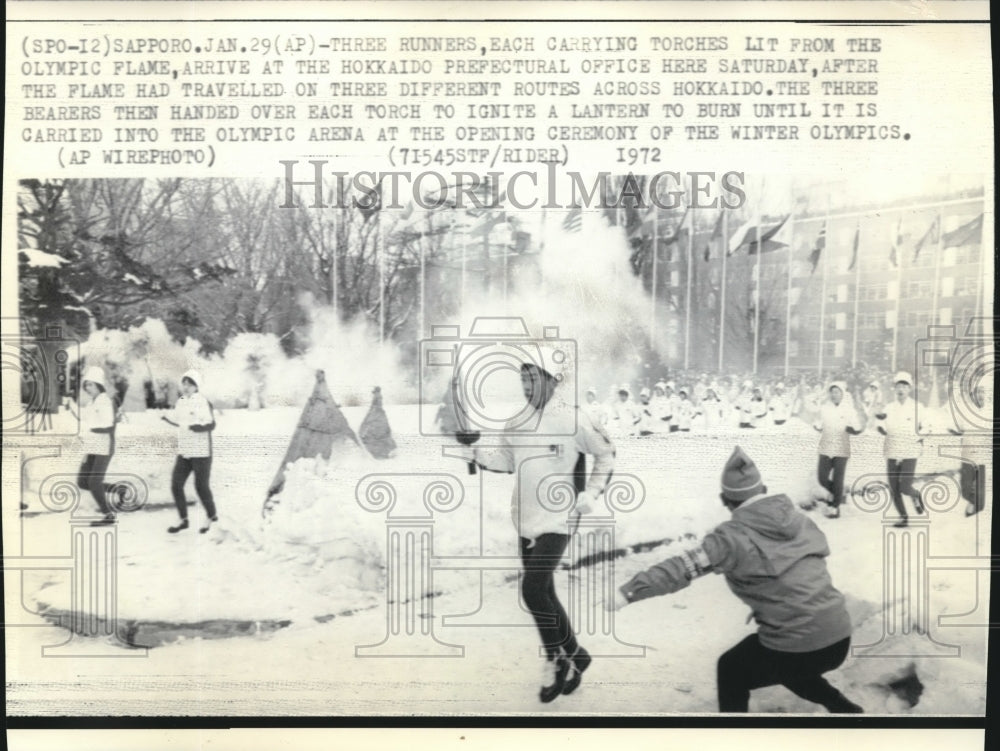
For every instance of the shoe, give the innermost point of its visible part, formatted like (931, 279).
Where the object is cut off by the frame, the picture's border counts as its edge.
(832, 512)
(579, 661)
(918, 504)
(972, 509)
(808, 505)
(901, 523)
(553, 677)
(106, 521)
(208, 524)
(180, 527)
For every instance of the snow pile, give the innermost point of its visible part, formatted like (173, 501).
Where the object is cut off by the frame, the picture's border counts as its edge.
(315, 522)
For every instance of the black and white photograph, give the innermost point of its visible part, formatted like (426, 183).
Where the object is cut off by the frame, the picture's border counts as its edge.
(497, 370)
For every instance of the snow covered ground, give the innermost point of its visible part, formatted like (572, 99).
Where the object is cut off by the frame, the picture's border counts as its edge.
(264, 615)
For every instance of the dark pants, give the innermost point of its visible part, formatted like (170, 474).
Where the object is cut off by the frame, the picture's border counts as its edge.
(973, 477)
(91, 477)
(751, 665)
(830, 473)
(202, 467)
(539, 592)
(900, 474)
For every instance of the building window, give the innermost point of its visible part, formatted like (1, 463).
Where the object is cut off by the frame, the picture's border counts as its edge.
(871, 292)
(922, 288)
(967, 254)
(917, 319)
(967, 287)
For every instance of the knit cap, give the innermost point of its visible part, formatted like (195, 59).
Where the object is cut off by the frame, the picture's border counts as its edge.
(740, 477)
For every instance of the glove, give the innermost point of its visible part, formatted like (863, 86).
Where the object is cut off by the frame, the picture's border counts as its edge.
(467, 438)
(584, 503)
(881, 430)
(880, 415)
(852, 430)
(617, 603)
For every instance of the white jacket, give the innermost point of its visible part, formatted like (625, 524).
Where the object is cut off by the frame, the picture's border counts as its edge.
(780, 407)
(683, 413)
(99, 412)
(713, 410)
(544, 460)
(628, 415)
(834, 419)
(900, 423)
(193, 410)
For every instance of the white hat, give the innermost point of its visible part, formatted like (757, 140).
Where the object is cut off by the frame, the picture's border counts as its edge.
(194, 376)
(95, 374)
(903, 376)
(780, 385)
(842, 385)
(644, 394)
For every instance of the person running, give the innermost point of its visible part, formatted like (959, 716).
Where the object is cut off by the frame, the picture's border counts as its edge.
(194, 419)
(540, 465)
(97, 433)
(774, 559)
(903, 445)
(972, 473)
(838, 420)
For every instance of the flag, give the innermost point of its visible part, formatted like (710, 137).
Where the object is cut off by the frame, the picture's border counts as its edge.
(678, 230)
(931, 235)
(716, 234)
(573, 221)
(854, 252)
(372, 203)
(896, 240)
(746, 236)
(968, 233)
(817, 250)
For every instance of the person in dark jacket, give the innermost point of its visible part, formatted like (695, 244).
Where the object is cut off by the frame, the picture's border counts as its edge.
(773, 558)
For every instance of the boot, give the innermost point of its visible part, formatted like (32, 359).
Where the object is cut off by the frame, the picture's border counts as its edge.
(553, 677)
(578, 662)
(180, 527)
(208, 524)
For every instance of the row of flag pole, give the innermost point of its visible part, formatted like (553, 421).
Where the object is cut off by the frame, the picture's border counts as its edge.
(758, 236)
